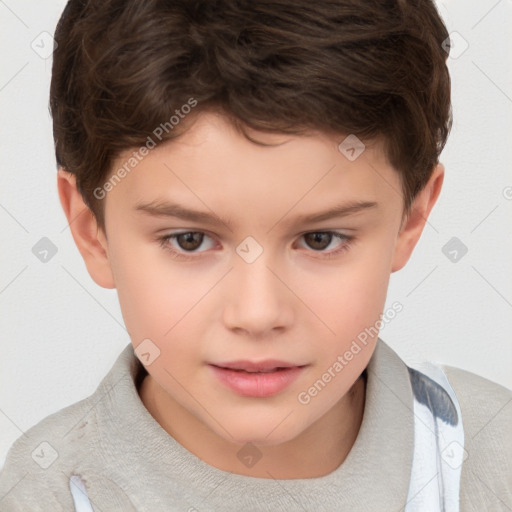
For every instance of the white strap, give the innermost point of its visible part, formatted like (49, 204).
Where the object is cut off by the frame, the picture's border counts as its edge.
(79, 493)
(438, 442)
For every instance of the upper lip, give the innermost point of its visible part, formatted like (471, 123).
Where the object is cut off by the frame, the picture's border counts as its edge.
(256, 366)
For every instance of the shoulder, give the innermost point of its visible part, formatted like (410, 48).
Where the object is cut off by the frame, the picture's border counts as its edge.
(72, 441)
(37, 470)
(486, 416)
(486, 407)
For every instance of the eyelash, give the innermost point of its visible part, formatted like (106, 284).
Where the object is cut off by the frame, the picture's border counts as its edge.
(348, 240)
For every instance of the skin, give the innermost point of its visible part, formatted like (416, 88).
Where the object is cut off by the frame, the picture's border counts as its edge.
(292, 303)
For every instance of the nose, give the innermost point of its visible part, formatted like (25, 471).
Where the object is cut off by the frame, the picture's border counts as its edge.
(259, 302)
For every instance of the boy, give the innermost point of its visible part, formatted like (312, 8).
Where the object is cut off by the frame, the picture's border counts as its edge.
(247, 175)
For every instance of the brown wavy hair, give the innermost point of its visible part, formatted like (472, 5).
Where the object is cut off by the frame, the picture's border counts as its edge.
(373, 68)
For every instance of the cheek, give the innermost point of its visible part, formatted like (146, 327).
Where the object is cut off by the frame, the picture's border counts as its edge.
(352, 296)
(151, 292)
(164, 300)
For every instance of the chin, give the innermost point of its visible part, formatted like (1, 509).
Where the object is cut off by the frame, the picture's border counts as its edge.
(260, 433)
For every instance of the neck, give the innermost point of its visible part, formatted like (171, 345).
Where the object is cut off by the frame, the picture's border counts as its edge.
(316, 452)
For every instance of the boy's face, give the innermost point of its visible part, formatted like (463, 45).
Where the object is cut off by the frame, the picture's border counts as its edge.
(254, 286)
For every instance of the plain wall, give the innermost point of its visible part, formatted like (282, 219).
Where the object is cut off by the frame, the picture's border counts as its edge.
(61, 333)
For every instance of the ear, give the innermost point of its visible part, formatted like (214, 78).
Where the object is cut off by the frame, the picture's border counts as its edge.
(414, 222)
(89, 238)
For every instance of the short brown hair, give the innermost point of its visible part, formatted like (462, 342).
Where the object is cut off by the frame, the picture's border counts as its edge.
(373, 68)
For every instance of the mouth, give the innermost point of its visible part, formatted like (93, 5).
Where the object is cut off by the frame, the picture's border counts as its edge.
(267, 370)
(257, 379)
(267, 366)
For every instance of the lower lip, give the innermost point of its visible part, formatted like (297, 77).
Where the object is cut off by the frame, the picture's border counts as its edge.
(257, 384)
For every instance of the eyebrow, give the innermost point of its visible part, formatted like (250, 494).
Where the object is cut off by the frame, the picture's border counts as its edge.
(168, 209)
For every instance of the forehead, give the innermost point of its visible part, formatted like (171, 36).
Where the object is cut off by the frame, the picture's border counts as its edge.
(212, 161)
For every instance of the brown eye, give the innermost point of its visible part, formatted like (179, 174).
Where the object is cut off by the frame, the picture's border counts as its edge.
(187, 245)
(318, 241)
(189, 241)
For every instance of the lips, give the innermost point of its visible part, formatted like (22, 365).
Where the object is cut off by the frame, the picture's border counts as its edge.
(257, 379)
(269, 365)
